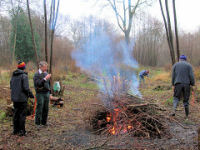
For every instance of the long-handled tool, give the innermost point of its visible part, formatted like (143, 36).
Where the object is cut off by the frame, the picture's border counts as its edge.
(32, 117)
(35, 104)
(193, 98)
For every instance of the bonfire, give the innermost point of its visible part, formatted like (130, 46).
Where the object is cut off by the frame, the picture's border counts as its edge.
(126, 114)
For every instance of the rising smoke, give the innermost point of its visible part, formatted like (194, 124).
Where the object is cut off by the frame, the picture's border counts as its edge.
(108, 62)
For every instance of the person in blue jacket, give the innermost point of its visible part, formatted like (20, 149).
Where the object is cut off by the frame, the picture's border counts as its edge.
(142, 74)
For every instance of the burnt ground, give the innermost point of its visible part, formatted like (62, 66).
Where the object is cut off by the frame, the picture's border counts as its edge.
(67, 129)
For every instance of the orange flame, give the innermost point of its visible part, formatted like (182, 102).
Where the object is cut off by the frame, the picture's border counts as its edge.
(108, 118)
(130, 127)
(112, 131)
(116, 127)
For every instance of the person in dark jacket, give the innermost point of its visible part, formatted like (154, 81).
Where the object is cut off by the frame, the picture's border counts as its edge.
(42, 87)
(19, 95)
(142, 74)
(182, 80)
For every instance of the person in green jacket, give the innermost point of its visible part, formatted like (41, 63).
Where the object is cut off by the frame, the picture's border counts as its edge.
(42, 87)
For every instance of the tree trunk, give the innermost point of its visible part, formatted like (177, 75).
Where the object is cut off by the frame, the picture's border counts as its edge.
(170, 30)
(14, 45)
(51, 59)
(46, 36)
(51, 51)
(127, 37)
(167, 35)
(15, 31)
(176, 31)
(33, 39)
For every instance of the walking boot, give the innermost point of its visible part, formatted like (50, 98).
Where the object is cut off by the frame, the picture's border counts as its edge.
(186, 112)
(173, 112)
(175, 104)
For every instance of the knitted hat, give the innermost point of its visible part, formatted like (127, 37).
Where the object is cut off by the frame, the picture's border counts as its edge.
(21, 65)
(183, 57)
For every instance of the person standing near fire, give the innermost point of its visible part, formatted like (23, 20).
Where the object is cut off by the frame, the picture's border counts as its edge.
(42, 87)
(20, 92)
(182, 80)
(142, 74)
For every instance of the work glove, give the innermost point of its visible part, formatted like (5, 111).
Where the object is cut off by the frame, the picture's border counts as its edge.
(31, 95)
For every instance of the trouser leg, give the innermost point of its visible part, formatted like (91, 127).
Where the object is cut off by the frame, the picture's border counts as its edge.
(177, 96)
(22, 117)
(186, 95)
(16, 118)
(175, 103)
(39, 109)
(141, 79)
(45, 109)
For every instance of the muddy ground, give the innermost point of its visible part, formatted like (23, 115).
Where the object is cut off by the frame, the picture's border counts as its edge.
(67, 129)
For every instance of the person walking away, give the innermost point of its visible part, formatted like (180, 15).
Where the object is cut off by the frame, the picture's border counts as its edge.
(19, 85)
(182, 80)
(142, 74)
(42, 87)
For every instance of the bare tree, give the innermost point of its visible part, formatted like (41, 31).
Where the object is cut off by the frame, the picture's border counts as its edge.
(168, 30)
(53, 21)
(4, 42)
(46, 34)
(125, 19)
(176, 30)
(148, 41)
(32, 33)
(15, 33)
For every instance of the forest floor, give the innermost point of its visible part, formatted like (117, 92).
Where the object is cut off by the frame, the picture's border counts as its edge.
(67, 128)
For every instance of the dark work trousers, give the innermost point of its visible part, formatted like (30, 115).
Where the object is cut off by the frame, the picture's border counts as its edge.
(141, 79)
(42, 108)
(19, 117)
(182, 90)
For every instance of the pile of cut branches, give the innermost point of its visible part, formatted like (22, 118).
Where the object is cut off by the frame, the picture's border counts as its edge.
(128, 114)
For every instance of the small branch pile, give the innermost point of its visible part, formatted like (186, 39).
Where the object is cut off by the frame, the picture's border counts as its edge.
(129, 115)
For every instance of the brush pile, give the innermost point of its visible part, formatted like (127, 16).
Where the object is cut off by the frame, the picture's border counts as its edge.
(130, 115)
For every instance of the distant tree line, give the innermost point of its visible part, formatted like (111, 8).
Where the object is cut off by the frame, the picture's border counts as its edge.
(150, 48)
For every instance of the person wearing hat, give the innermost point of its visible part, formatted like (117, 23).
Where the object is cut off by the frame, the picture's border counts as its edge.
(20, 92)
(182, 80)
(42, 87)
(142, 74)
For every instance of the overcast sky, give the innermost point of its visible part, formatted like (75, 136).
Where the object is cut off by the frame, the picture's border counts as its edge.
(188, 11)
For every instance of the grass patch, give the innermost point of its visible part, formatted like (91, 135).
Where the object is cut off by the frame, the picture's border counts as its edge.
(164, 76)
(197, 73)
(5, 77)
(169, 101)
(2, 115)
(79, 80)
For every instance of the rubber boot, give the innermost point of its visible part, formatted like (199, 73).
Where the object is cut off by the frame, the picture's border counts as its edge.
(175, 104)
(186, 111)
(173, 112)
